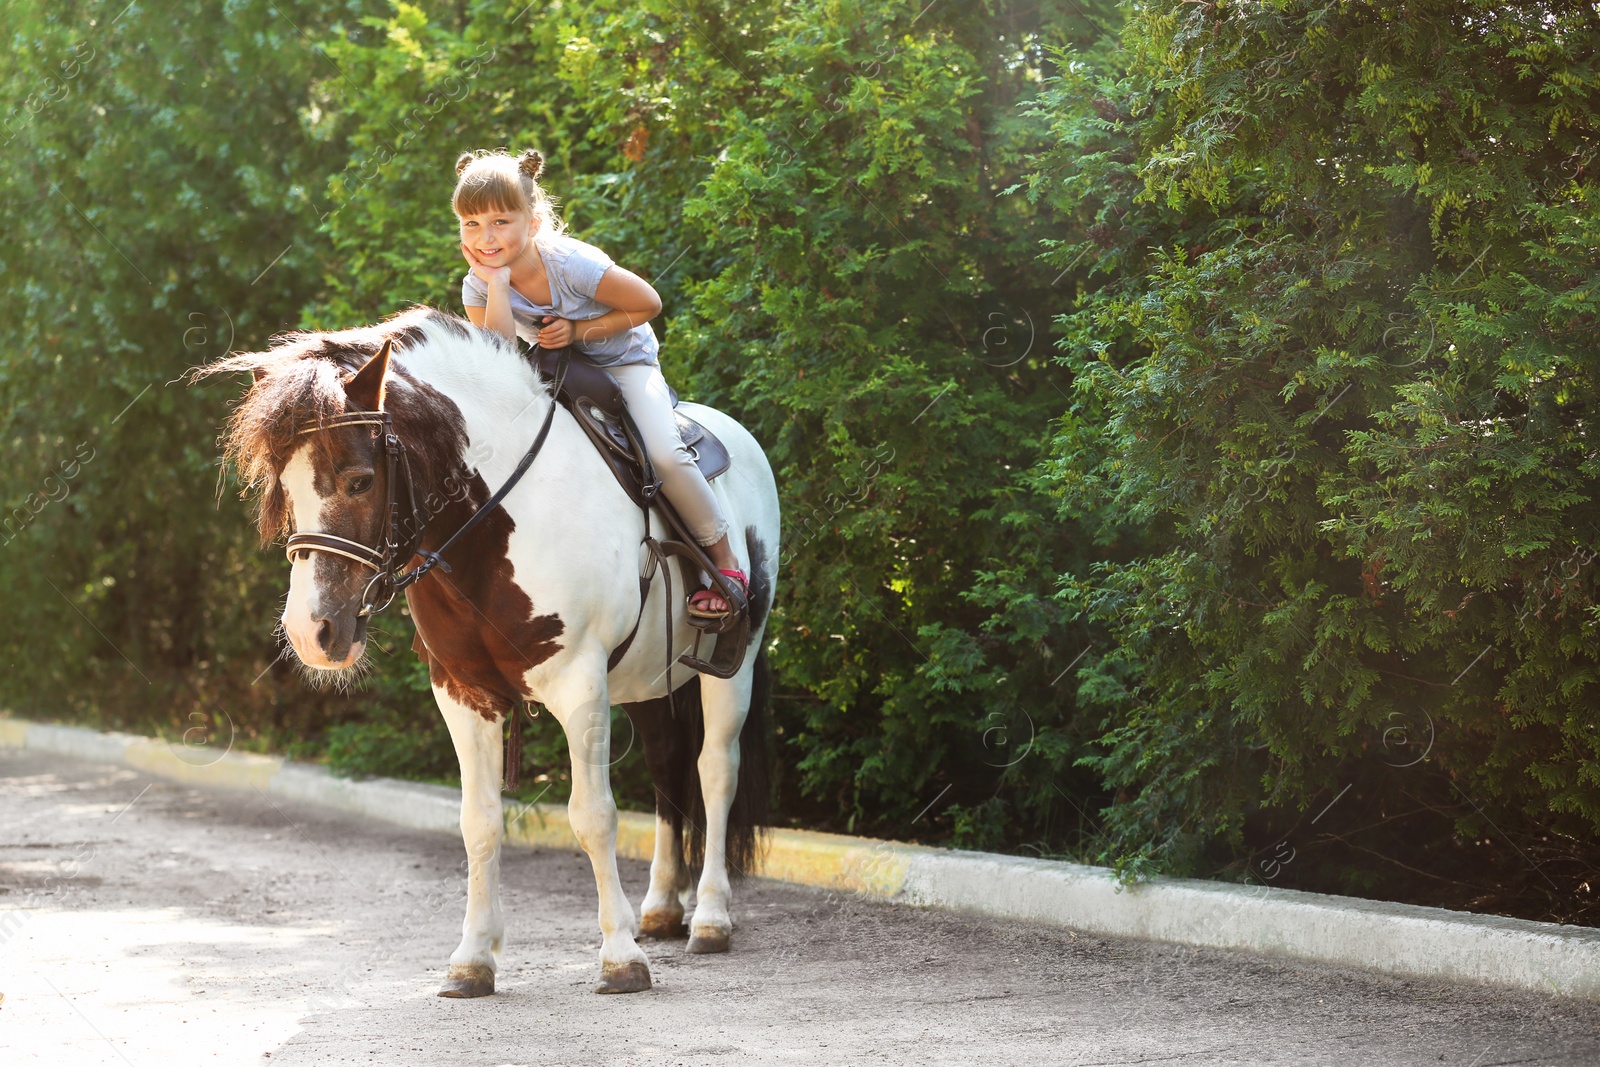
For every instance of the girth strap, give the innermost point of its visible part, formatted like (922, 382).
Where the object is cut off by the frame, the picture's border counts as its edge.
(627, 642)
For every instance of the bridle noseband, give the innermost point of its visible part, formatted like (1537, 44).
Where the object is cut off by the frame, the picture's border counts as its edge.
(392, 553)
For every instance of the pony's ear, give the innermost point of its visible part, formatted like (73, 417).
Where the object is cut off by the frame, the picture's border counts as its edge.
(364, 389)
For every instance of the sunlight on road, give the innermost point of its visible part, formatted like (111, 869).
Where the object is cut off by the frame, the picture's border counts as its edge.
(143, 987)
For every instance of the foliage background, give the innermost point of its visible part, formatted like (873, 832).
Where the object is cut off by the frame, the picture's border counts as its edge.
(1341, 371)
(1180, 408)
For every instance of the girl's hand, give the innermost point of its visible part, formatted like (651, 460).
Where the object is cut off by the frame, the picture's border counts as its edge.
(555, 333)
(485, 273)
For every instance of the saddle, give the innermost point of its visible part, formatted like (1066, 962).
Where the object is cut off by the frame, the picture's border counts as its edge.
(594, 398)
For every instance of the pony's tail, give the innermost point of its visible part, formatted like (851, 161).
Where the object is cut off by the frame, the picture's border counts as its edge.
(752, 799)
(672, 753)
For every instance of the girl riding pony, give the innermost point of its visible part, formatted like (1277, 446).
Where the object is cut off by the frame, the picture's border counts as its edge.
(529, 279)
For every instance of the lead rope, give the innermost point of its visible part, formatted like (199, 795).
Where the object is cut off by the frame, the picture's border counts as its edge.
(513, 765)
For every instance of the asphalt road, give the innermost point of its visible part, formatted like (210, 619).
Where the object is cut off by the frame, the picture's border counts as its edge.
(144, 923)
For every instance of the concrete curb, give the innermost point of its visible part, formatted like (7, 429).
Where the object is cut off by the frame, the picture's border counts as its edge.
(1402, 939)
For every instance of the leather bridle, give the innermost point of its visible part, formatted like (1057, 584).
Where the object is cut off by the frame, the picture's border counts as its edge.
(392, 553)
(389, 555)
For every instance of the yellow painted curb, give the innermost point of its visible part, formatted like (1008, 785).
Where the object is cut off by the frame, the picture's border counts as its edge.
(860, 866)
(636, 835)
(1390, 938)
(13, 733)
(539, 826)
(546, 826)
(234, 770)
(863, 866)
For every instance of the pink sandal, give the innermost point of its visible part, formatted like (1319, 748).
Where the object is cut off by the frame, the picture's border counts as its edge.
(697, 603)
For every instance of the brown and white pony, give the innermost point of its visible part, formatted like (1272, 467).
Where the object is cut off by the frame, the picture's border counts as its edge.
(536, 599)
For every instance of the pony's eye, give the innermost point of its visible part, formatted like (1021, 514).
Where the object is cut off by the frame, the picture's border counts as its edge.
(360, 484)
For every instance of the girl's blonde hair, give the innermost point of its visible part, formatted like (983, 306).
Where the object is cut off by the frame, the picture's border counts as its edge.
(493, 180)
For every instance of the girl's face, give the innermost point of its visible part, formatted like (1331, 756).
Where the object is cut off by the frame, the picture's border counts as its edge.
(498, 237)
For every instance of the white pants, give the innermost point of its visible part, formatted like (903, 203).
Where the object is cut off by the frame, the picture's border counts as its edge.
(644, 390)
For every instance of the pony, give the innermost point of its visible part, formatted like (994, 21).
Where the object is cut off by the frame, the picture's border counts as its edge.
(548, 598)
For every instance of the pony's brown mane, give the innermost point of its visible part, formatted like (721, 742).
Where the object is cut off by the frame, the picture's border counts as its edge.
(300, 382)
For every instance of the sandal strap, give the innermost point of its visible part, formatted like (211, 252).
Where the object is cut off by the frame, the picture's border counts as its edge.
(706, 594)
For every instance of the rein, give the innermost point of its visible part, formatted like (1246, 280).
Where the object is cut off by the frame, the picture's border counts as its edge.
(390, 555)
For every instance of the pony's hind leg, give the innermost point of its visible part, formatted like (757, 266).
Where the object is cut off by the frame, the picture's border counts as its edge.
(585, 715)
(726, 703)
(477, 742)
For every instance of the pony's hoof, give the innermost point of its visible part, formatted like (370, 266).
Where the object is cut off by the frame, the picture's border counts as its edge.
(628, 978)
(476, 980)
(707, 940)
(663, 925)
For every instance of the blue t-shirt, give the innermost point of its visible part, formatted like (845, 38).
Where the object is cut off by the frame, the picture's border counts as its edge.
(574, 269)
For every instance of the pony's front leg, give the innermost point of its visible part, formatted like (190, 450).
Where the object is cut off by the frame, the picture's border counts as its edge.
(477, 740)
(726, 703)
(582, 708)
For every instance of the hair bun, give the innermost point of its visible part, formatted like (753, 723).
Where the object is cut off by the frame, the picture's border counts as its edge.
(463, 161)
(531, 163)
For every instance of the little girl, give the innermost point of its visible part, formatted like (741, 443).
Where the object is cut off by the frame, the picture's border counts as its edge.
(529, 279)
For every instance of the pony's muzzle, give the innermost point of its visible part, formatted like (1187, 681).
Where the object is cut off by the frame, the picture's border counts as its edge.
(329, 642)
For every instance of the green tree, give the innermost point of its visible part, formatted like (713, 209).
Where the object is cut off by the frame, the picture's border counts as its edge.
(1339, 366)
(153, 208)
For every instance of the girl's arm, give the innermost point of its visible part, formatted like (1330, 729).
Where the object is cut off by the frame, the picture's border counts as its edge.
(497, 315)
(633, 302)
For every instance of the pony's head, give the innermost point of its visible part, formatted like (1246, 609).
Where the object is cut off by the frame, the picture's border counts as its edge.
(293, 440)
